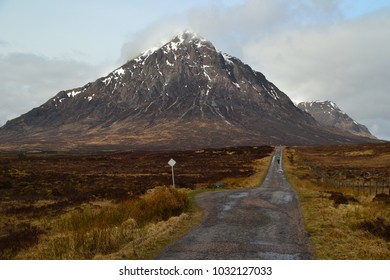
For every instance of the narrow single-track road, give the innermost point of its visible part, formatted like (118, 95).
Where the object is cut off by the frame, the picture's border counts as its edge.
(261, 223)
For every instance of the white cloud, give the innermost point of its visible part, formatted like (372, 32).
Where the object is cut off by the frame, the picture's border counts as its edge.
(154, 35)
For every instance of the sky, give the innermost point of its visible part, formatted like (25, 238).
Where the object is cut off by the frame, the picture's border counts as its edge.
(311, 49)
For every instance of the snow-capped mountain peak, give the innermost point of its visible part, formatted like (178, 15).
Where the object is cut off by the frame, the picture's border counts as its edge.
(328, 113)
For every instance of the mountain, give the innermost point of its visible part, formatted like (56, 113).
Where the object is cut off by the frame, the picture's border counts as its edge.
(183, 95)
(328, 113)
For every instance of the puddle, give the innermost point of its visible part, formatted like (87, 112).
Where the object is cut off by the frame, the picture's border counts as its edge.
(233, 198)
(280, 197)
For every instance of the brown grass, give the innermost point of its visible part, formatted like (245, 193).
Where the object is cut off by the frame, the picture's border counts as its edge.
(342, 225)
(260, 171)
(90, 233)
(350, 162)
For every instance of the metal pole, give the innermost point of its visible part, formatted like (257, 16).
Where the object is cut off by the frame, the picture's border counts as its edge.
(173, 178)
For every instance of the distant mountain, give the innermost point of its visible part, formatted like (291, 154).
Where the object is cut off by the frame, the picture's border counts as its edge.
(183, 95)
(328, 113)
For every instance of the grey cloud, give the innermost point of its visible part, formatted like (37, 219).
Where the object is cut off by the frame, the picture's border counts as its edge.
(28, 80)
(377, 125)
(346, 63)
(232, 27)
(226, 26)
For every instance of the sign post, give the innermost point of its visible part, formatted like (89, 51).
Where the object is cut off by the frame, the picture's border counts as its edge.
(172, 162)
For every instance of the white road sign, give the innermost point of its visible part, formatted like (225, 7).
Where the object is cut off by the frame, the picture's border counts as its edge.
(172, 162)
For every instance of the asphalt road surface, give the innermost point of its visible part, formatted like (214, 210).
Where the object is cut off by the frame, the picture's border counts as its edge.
(263, 223)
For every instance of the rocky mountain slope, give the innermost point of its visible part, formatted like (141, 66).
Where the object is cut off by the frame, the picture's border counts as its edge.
(184, 95)
(328, 113)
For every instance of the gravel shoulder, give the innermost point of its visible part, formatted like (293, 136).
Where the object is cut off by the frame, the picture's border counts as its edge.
(262, 223)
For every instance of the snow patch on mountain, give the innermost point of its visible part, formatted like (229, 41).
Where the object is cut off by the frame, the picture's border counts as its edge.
(73, 93)
(227, 58)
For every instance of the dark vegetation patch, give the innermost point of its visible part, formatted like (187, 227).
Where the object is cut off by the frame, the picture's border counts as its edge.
(382, 197)
(35, 212)
(377, 227)
(15, 238)
(340, 198)
(118, 176)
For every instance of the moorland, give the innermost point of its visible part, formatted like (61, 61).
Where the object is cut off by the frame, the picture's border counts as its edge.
(110, 205)
(344, 196)
(122, 205)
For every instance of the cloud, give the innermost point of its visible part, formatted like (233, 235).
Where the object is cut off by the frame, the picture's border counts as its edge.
(345, 62)
(154, 35)
(29, 80)
(231, 26)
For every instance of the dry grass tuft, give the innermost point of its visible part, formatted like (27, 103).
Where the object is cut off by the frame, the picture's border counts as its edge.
(89, 233)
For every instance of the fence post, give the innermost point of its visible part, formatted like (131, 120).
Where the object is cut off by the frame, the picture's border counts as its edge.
(376, 186)
(370, 185)
(383, 185)
(358, 186)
